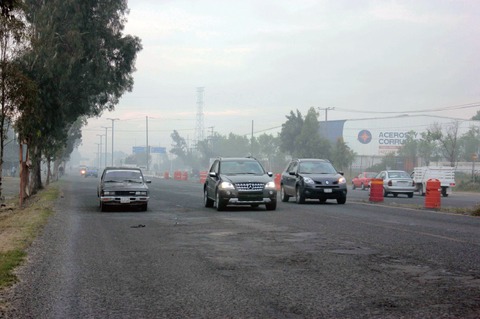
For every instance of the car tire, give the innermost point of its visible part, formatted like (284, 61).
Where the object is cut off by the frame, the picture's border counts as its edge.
(284, 195)
(323, 200)
(206, 200)
(219, 203)
(300, 197)
(385, 193)
(144, 207)
(342, 200)
(103, 207)
(271, 205)
(410, 195)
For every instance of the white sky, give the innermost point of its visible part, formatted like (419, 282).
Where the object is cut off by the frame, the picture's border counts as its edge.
(260, 59)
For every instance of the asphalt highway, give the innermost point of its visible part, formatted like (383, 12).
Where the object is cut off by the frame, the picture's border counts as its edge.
(182, 260)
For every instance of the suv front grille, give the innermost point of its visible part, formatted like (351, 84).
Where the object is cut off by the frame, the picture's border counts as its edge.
(250, 186)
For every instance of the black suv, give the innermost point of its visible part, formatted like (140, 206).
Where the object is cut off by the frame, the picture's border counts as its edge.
(313, 178)
(239, 181)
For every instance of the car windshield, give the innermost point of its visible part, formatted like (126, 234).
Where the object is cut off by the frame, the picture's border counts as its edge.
(316, 168)
(123, 175)
(370, 175)
(241, 167)
(398, 174)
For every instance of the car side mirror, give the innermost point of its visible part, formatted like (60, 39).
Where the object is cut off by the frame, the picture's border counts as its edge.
(340, 172)
(148, 181)
(291, 173)
(270, 174)
(212, 174)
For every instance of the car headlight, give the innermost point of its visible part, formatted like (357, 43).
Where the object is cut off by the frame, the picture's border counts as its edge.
(141, 193)
(270, 185)
(226, 185)
(107, 193)
(308, 180)
(342, 180)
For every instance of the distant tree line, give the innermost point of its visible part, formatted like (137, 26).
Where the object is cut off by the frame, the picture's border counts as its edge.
(61, 62)
(299, 138)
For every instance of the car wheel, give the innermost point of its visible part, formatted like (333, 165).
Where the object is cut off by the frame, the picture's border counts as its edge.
(284, 195)
(353, 186)
(385, 193)
(322, 200)
(362, 187)
(300, 198)
(271, 205)
(410, 195)
(220, 203)
(144, 207)
(342, 200)
(207, 201)
(103, 208)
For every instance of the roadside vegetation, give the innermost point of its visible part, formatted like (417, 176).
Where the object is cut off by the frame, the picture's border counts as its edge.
(19, 227)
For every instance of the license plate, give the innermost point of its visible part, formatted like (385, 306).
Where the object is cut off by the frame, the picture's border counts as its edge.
(124, 200)
(327, 190)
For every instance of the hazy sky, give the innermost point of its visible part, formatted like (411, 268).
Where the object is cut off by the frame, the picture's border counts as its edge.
(259, 59)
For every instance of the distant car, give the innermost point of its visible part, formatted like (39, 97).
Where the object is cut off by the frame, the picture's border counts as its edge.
(91, 171)
(83, 170)
(362, 180)
(123, 186)
(312, 179)
(397, 182)
(239, 181)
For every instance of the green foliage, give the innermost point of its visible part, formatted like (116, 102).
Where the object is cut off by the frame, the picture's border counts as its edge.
(342, 156)
(469, 144)
(290, 130)
(81, 65)
(476, 117)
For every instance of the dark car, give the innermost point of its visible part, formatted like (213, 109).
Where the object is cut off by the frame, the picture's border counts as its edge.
(239, 181)
(312, 179)
(123, 186)
(91, 171)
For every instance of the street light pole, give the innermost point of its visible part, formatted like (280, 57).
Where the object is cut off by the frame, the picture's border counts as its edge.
(106, 139)
(100, 151)
(113, 132)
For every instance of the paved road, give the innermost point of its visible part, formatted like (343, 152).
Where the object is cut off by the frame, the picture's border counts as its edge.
(300, 261)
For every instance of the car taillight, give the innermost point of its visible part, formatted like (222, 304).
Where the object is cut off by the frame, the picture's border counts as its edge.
(389, 183)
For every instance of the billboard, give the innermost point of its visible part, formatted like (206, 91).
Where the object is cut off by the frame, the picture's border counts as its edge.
(380, 136)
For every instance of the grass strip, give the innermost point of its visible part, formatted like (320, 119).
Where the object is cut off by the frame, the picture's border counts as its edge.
(20, 227)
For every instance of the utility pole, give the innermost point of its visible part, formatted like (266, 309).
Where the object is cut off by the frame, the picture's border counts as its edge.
(113, 132)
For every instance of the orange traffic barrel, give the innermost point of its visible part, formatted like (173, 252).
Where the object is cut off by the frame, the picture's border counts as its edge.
(376, 190)
(432, 195)
(203, 176)
(278, 177)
